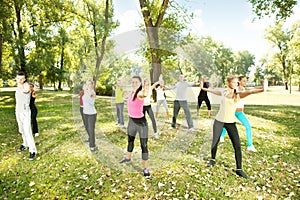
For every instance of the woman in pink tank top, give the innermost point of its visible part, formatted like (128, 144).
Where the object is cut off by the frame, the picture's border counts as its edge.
(137, 123)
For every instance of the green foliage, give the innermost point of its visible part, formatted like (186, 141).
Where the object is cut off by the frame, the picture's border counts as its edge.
(104, 90)
(281, 9)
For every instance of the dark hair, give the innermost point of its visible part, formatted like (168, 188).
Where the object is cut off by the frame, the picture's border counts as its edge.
(21, 73)
(139, 89)
(241, 77)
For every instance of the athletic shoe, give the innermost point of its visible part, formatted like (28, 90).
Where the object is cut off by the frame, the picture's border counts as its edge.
(251, 148)
(146, 172)
(156, 136)
(92, 149)
(211, 163)
(36, 134)
(171, 128)
(240, 173)
(125, 160)
(122, 126)
(32, 156)
(22, 148)
(221, 139)
(192, 130)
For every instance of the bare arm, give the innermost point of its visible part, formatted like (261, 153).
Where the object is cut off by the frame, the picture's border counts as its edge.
(143, 93)
(251, 91)
(216, 92)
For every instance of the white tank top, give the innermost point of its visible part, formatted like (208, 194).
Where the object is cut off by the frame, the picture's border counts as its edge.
(160, 94)
(241, 102)
(147, 100)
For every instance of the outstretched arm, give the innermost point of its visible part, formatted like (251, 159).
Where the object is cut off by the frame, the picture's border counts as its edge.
(251, 91)
(216, 92)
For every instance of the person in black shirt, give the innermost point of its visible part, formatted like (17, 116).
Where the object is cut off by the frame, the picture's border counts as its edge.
(34, 111)
(203, 97)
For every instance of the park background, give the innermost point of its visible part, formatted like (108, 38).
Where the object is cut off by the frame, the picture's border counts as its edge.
(60, 44)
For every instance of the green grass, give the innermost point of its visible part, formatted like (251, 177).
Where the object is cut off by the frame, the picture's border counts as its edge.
(65, 169)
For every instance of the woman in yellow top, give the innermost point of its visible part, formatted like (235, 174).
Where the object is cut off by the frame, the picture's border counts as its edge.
(119, 104)
(226, 119)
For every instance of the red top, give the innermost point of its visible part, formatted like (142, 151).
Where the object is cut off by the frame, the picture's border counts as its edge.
(80, 97)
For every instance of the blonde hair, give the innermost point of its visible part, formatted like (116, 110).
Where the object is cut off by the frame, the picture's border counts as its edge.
(235, 95)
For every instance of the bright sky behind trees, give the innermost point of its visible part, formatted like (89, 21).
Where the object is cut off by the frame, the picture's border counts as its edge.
(227, 21)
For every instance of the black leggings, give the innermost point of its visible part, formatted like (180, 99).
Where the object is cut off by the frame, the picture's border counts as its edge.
(34, 123)
(234, 137)
(207, 102)
(138, 125)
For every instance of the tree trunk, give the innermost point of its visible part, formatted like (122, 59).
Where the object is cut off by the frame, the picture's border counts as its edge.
(20, 38)
(60, 76)
(41, 82)
(1, 42)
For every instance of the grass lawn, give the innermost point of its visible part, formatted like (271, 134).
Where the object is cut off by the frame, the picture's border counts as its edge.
(66, 169)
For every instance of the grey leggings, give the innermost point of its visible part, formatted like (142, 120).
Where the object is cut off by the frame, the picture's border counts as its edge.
(234, 137)
(138, 125)
(90, 121)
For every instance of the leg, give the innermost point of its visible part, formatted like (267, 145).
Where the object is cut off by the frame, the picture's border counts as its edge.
(122, 114)
(118, 113)
(131, 132)
(187, 113)
(207, 102)
(217, 128)
(235, 140)
(244, 120)
(34, 121)
(151, 115)
(26, 119)
(166, 108)
(175, 113)
(91, 129)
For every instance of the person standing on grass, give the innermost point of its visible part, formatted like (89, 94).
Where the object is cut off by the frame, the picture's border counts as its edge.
(137, 122)
(226, 119)
(240, 115)
(23, 115)
(89, 112)
(181, 101)
(33, 110)
(119, 104)
(81, 93)
(147, 105)
(161, 99)
(203, 97)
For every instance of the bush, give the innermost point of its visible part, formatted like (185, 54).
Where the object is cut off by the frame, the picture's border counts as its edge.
(1, 83)
(11, 82)
(104, 90)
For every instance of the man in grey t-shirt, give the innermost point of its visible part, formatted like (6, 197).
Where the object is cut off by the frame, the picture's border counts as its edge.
(181, 101)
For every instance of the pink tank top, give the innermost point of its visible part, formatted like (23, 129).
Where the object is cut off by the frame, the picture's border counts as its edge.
(135, 108)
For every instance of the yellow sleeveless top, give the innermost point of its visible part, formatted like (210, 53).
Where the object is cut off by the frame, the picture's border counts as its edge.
(227, 109)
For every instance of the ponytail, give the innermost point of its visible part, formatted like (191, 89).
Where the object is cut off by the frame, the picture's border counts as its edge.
(139, 89)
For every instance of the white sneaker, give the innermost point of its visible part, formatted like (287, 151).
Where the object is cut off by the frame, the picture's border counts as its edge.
(221, 139)
(171, 128)
(192, 130)
(156, 136)
(36, 134)
(251, 148)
